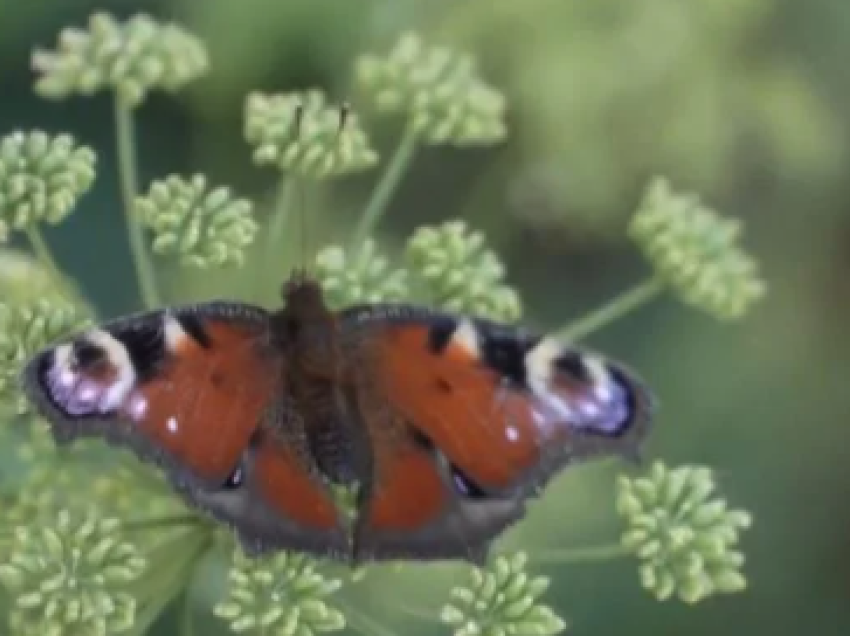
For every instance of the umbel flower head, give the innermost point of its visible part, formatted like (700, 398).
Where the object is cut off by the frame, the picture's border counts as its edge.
(697, 252)
(280, 596)
(437, 89)
(684, 535)
(363, 277)
(41, 177)
(66, 578)
(25, 328)
(131, 58)
(501, 600)
(300, 133)
(202, 227)
(460, 273)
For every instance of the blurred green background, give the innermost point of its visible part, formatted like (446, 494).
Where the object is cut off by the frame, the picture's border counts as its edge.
(744, 101)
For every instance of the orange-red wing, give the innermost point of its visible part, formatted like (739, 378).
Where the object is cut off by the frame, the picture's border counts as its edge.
(411, 508)
(486, 412)
(505, 409)
(187, 386)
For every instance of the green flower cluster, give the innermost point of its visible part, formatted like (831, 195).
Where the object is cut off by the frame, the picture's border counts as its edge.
(131, 58)
(364, 277)
(67, 578)
(684, 536)
(460, 273)
(280, 596)
(301, 134)
(696, 252)
(437, 89)
(200, 226)
(41, 178)
(502, 600)
(25, 328)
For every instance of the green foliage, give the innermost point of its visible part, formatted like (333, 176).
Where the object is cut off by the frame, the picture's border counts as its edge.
(131, 58)
(300, 134)
(74, 569)
(438, 90)
(201, 226)
(696, 252)
(460, 273)
(68, 577)
(41, 178)
(683, 534)
(502, 600)
(281, 596)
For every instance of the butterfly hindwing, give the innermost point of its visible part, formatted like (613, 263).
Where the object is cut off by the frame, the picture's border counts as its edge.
(193, 389)
(483, 416)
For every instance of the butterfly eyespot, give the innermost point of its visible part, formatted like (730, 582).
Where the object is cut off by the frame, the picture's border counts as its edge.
(86, 354)
(235, 479)
(465, 486)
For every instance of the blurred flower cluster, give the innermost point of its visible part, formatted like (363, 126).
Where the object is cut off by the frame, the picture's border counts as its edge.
(131, 58)
(437, 89)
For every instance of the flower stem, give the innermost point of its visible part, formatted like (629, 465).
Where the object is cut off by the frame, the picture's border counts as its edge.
(613, 310)
(175, 562)
(377, 205)
(363, 623)
(157, 523)
(125, 143)
(592, 554)
(45, 256)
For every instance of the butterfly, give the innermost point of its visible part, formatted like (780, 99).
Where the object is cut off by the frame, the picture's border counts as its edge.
(443, 425)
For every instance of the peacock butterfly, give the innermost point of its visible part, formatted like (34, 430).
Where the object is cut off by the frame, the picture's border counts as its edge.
(446, 424)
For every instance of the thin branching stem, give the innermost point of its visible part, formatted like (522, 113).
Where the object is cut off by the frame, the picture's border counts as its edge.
(363, 623)
(126, 148)
(158, 523)
(380, 198)
(45, 256)
(590, 554)
(278, 225)
(613, 310)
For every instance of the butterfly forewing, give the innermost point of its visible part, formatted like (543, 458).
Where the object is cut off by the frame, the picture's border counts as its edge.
(191, 388)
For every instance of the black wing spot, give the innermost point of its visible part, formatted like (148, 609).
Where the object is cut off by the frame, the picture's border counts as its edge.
(194, 328)
(505, 354)
(440, 334)
(443, 385)
(145, 344)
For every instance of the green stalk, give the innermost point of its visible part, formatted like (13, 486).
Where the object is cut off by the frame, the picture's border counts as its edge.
(126, 147)
(45, 256)
(158, 523)
(176, 560)
(613, 310)
(363, 623)
(377, 205)
(591, 554)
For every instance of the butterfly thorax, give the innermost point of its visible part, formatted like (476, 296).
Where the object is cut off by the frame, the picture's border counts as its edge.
(306, 331)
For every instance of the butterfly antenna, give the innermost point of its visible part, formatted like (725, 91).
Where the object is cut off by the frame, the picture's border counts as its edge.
(298, 198)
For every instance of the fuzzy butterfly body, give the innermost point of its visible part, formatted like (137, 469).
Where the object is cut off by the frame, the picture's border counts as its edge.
(445, 425)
